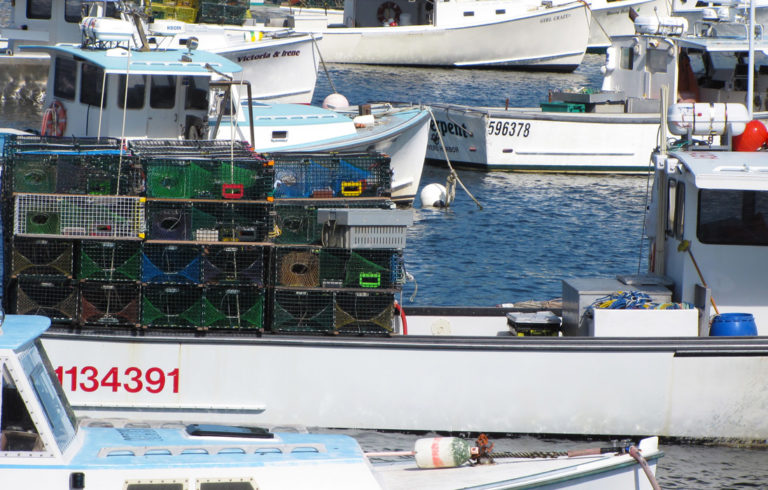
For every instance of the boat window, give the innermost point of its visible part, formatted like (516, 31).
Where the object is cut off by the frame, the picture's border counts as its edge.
(196, 93)
(46, 386)
(500, 11)
(134, 98)
(279, 135)
(73, 10)
(679, 221)
(627, 61)
(160, 485)
(17, 432)
(226, 485)
(39, 9)
(671, 205)
(162, 92)
(64, 76)
(657, 60)
(733, 217)
(91, 84)
(469, 14)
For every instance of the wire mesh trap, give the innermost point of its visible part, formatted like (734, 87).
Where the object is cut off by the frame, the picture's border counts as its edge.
(41, 257)
(170, 263)
(233, 306)
(360, 313)
(53, 297)
(109, 303)
(308, 311)
(172, 305)
(110, 260)
(233, 263)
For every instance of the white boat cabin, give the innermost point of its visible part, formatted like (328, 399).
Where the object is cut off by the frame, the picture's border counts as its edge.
(132, 94)
(709, 65)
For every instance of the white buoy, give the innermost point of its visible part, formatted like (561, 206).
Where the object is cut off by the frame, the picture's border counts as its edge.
(335, 101)
(441, 452)
(433, 196)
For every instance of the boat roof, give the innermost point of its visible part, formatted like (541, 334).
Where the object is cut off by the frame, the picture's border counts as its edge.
(725, 44)
(731, 170)
(19, 330)
(153, 62)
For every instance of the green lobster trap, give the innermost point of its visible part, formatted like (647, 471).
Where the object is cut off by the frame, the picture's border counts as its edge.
(250, 179)
(171, 306)
(110, 260)
(233, 306)
(41, 257)
(233, 263)
(369, 269)
(302, 311)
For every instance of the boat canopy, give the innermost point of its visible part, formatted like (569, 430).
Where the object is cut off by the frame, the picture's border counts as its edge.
(23, 331)
(154, 62)
(726, 170)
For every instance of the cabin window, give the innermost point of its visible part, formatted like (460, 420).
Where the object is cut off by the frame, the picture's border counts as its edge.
(160, 485)
(627, 61)
(49, 393)
(500, 11)
(134, 98)
(64, 76)
(17, 431)
(279, 135)
(196, 93)
(162, 92)
(73, 11)
(39, 9)
(91, 85)
(225, 485)
(469, 14)
(675, 209)
(657, 60)
(733, 217)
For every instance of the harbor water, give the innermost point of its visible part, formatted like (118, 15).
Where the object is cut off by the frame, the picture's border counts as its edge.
(533, 231)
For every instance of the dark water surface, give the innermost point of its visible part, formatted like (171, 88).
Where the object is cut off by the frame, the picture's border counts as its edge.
(533, 231)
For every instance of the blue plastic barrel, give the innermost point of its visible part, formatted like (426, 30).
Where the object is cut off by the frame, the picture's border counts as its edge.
(733, 324)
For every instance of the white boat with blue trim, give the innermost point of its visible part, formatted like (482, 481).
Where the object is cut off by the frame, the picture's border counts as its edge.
(42, 445)
(188, 94)
(615, 129)
(280, 64)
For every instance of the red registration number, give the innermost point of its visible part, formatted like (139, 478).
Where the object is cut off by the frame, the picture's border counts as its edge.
(132, 379)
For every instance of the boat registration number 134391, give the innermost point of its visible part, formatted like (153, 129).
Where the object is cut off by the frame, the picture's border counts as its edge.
(509, 128)
(131, 379)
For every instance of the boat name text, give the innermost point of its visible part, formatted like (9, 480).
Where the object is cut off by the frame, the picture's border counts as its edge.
(262, 56)
(554, 18)
(508, 128)
(450, 128)
(132, 379)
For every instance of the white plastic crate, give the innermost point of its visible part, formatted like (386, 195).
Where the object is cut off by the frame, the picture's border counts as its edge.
(364, 228)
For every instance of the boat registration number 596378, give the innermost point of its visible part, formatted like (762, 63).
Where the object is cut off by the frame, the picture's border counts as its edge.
(509, 128)
(131, 379)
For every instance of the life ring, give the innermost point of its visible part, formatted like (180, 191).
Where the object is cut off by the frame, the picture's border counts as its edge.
(387, 11)
(54, 120)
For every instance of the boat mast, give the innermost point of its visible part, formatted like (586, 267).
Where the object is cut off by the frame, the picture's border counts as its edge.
(751, 59)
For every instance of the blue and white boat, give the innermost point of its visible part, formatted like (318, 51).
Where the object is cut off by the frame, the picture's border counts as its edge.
(103, 88)
(42, 445)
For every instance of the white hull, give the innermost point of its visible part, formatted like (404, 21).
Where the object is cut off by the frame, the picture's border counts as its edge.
(561, 35)
(584, 142)
(539, 385)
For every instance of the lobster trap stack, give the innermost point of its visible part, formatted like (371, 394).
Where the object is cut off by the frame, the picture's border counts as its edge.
(197, 235)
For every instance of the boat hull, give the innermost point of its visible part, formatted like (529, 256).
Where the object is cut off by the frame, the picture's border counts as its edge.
(520, 139)
(561, 40)
(492, 383)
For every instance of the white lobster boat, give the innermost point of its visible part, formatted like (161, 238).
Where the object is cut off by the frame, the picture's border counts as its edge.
(613, 130)
(42, 445)
(610, 372)
(547, 36)
(281, 65)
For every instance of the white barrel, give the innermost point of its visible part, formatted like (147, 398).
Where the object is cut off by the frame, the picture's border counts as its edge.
(107, 29)
(704, 118)
(441, 452)
(661, 26)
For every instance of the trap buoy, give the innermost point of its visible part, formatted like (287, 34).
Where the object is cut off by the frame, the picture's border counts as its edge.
(433, 196)
(335, 101)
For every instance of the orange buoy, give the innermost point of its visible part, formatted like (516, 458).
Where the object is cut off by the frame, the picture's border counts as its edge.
(754, 137)
(54, 120)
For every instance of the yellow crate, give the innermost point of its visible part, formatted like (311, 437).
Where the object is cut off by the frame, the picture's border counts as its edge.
(187, 3)
(161, 11)
(186, 14)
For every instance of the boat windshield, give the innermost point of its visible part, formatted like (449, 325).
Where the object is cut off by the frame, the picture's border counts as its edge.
(38, 370)
(733, 217)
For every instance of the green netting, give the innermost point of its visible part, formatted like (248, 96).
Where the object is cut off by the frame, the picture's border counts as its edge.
(37, 176)
(174, 179)
(302, 312)
(111, 261)
(43, 222)
(296, 225)
(233, 307)
(171, 306)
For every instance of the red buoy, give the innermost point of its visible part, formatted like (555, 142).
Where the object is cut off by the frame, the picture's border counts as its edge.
(754, 137)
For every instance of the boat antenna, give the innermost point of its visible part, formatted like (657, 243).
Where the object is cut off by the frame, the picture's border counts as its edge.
(322, 62)
(751, 60)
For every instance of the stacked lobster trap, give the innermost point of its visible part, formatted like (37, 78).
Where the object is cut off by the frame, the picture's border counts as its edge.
(200, 235)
